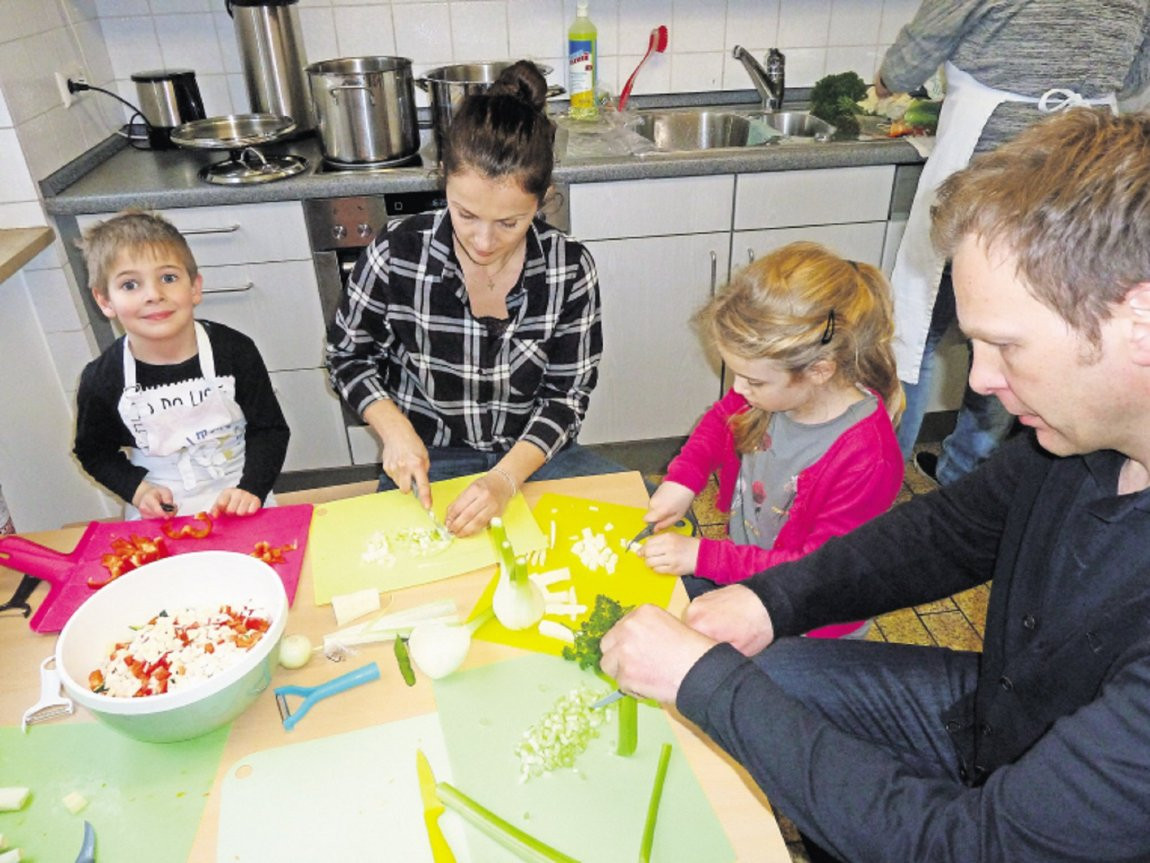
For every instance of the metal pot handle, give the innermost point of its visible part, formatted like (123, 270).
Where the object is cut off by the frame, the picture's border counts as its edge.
(422, 84)
(335, 95)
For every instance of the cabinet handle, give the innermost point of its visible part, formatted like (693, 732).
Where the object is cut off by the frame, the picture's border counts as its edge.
(714, 272)
(225, 229)
(750, 255)
(231, 289)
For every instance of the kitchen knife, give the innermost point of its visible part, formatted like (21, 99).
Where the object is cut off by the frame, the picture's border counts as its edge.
(441, 530)
(608, 699)
(88, 847)
(432, 808)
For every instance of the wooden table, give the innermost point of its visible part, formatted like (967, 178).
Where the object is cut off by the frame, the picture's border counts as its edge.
(740, 807)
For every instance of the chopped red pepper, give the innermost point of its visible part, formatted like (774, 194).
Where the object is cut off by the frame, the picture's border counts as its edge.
(128, 554)
(189, 530)
(269, 553)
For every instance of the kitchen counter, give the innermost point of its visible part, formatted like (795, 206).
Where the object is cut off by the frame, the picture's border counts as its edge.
(20, 245)
(740, 808)
(103, 183)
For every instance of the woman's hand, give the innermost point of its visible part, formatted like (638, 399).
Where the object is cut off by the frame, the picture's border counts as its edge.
(404, 456)
(154, 501)
(236, 501)
(669, 503)
(477, 504)
(671, 553)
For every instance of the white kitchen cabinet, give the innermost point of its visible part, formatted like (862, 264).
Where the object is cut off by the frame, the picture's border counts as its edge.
(259, 278)
(660, 248)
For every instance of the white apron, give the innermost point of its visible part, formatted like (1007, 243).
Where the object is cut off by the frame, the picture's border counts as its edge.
(189, 435)
(918, 267)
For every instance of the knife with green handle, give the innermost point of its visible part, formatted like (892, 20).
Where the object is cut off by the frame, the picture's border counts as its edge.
(432, 809)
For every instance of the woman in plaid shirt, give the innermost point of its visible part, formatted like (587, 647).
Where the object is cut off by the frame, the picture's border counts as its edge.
(469, 338)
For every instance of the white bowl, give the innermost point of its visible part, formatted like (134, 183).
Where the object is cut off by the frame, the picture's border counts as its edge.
(196, 579)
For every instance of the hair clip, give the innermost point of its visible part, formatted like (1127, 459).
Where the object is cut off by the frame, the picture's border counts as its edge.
(829, 330)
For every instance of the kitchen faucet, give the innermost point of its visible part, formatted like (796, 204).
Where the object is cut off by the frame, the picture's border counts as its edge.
(770, 81)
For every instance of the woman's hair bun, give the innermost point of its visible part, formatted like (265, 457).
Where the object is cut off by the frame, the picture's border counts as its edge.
(523, 81)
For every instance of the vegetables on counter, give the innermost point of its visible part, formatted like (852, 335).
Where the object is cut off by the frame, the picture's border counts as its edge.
(295, 651)
(628, 726)
(403, 660)
(518, 601)
(653, 804)
(128, 554)
(13, 798)
(562, 734)
(74, 802)
(352, 606)
(604, 615)
(834, 98)
(523, 845)
(385, 627)
(439, 648)
(271, 554)
(189, 530)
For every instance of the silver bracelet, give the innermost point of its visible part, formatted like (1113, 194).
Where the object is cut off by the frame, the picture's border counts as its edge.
(510, 479)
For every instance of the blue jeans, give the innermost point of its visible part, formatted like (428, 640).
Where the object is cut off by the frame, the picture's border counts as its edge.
(450, 462)
(982, 424)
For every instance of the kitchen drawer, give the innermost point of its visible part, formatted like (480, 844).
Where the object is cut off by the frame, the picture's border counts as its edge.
(824, 196)
(276, 304)
(856, 242)
(651, 208)
(237, 234)
(318, 436)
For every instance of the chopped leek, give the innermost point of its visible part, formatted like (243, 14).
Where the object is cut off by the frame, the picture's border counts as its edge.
(653, 804)
(561, 735)
(523, 845)
(628, 726)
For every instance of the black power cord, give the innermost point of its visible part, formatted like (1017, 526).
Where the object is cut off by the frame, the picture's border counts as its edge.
(79, 87)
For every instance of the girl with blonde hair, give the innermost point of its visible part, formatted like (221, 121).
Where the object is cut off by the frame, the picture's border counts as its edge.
(803, 443)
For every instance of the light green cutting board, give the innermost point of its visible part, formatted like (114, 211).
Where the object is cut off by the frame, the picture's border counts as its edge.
(342, 530)
(348, 798)
(594, 813)
(145, 800)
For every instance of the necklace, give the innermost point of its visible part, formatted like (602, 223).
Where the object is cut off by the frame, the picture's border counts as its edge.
(490, 275)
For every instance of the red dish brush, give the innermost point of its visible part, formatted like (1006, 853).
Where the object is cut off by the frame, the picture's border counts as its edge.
(656, 45)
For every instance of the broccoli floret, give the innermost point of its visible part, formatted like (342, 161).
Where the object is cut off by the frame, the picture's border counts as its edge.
(834, 98)
(604, 615)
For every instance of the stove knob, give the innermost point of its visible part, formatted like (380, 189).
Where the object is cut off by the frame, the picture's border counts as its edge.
(338, 232)
(364, 230)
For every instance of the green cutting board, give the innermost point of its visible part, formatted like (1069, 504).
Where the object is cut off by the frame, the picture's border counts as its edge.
(342, 530)
(348, 798)
(145, 800)
(595, 812)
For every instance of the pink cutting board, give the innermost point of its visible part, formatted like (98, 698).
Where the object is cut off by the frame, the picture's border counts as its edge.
(68, 574)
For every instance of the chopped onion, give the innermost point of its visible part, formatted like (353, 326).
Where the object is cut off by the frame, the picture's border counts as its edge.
(561, 734)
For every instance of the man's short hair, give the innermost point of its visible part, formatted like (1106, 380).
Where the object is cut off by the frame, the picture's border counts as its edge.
(1069, 198)
(135, 231)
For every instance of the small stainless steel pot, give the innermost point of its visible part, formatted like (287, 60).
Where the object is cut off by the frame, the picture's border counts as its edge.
(449, 85)
(365, 109)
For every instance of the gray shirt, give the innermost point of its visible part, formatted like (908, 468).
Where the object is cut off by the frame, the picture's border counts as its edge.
(1093, 47)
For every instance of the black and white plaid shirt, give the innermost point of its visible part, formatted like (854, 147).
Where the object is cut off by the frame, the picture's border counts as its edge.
(405, 331)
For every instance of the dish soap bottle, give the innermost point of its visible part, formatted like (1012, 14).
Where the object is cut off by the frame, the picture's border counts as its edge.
(582, 65)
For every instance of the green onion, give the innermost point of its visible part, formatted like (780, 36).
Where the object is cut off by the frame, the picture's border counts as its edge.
(628, 726)
(403, 660)
(653, 804)
(524, 845)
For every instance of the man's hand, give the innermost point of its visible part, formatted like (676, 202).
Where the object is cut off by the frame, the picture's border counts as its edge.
(477, 504)
(669, 503)
(235, 501)
(154, 501)
(733, 614)
(671, 553)
(649, 653)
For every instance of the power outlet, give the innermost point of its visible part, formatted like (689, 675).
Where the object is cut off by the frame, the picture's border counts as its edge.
(75, 73)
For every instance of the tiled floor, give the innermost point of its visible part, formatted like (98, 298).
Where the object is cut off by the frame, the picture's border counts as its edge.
(955, 622)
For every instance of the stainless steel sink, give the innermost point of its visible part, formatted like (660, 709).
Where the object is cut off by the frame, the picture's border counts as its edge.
(692, 129)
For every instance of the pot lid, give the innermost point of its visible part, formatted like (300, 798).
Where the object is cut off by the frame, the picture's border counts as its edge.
(232, 131)
(252, 166)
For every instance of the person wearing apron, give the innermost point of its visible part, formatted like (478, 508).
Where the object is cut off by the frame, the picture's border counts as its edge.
(179, 415)
(1100, 46)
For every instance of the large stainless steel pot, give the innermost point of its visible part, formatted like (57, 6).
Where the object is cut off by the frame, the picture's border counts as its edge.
(272, 52)
(365, 109)
(449, 85)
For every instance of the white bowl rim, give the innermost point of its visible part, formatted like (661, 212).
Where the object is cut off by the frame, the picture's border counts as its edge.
(276, 600)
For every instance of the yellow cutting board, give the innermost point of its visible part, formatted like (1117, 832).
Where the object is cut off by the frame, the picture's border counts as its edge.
(566, 518)
(342, 531)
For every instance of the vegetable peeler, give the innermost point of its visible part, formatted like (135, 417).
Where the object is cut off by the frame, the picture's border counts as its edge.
(312, 694)
(51, 704)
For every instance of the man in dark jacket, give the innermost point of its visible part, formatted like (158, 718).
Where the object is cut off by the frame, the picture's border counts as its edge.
(1038, 749)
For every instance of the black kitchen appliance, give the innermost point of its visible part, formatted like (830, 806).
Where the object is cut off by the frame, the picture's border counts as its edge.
(167, 98)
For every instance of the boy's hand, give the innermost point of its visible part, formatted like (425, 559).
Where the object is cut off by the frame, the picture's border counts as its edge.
(671, 553)
(154, 501)
(236, 501)
(669, 503)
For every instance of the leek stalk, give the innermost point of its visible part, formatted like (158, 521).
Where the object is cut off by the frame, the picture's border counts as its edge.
(524, 845)
(628, 726)
(653, 804)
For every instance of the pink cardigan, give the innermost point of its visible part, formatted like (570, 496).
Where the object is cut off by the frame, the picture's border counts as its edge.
(855, 480)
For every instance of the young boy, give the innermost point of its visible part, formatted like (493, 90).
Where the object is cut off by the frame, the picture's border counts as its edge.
(190, 402)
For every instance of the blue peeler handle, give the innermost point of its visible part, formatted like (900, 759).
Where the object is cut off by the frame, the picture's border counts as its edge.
(312, 694)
